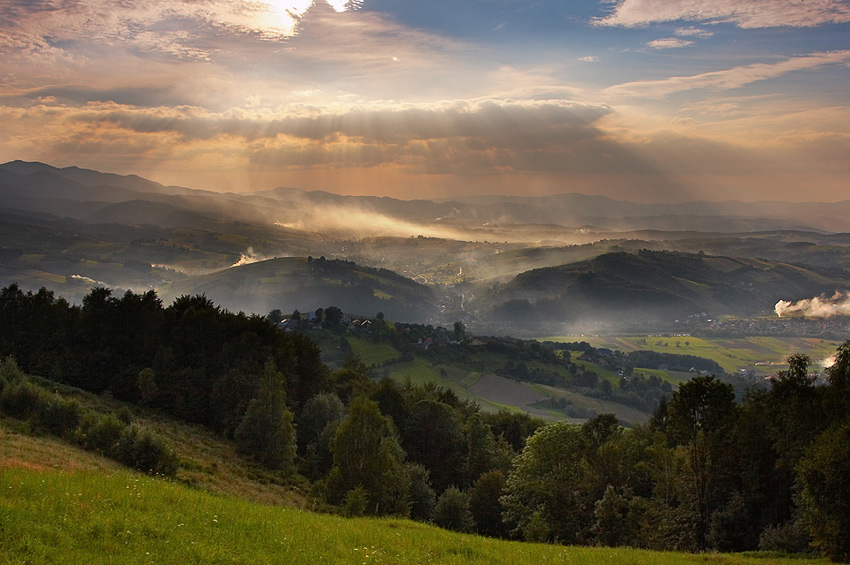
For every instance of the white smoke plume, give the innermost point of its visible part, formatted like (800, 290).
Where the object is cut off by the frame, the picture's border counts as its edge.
(88, 280)
(818, 307)
(249, 257)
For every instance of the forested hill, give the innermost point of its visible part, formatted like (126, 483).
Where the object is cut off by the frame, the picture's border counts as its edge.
(289, 283)
(655, 285)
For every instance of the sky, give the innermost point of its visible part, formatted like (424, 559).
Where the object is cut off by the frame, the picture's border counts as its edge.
(639, 100)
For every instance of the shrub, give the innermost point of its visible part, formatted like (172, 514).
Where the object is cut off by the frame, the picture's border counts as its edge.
(22, 400)
(10, 372)
(790, 537)
(61, 417)
(146, 451)
(101, 434)
(355, 502)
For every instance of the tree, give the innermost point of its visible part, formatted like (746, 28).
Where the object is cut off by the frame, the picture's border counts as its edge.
(544, 486)
(366, 453)
(333, 316)
(452, 511)
(611, 512)
(485, 506)
(317, 424)
(459, 331)
(352, 379)
(433, 437)
(146, 383)
(700, 416)
(275, 316)
(826, 492)
(266, 431)
(484, 451)
(422, 497)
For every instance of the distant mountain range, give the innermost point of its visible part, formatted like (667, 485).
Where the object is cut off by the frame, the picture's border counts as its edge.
(43, 188)
(483, 259)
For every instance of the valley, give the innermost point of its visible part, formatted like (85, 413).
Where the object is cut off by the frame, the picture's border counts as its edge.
(241, 344)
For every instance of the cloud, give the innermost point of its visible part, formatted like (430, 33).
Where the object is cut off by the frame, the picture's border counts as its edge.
(730, 78)
(589, 59)
(742, 13)
(693, 32)
(508, 121)
(217, 53)
(450, 137)
(669, 43)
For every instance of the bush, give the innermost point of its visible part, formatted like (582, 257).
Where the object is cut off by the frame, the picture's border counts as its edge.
(61, 417)
(10, 372)
(355, 502)
(790, 537)
(101, 434)
(145, 451)
(22, 400)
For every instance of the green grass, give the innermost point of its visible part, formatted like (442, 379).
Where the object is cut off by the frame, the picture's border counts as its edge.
(421, 372)
(764, 354)
(372, 353)
(114, 516)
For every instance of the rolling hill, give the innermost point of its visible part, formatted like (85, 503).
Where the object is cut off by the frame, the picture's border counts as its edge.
(655, 285)
(291, 283)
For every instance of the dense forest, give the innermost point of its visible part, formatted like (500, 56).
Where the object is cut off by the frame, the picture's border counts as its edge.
(707, 472)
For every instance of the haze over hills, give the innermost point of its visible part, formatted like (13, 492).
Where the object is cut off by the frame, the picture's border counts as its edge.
(589, 256)
(653, 285)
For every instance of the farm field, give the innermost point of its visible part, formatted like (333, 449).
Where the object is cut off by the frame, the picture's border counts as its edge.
(765, 355)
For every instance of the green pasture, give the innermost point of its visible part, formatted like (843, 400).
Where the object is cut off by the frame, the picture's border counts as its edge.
(372, 353)
(764, 354)
(421, 372)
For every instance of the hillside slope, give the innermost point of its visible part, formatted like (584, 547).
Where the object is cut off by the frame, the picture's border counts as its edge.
(656, 286)
(291, 283)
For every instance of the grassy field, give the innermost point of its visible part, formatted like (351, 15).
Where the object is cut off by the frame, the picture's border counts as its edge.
(372, 353)
(763, 354)
(114, 516)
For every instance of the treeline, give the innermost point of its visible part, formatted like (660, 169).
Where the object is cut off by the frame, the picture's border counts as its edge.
(644, 358)
(191, 359)
(707, 472)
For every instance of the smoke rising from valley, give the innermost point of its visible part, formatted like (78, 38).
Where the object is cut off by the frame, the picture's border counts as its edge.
(249, 256)
(818, 307)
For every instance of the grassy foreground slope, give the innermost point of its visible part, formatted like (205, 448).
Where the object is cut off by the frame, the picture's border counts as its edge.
(115, 516)
(59, 504)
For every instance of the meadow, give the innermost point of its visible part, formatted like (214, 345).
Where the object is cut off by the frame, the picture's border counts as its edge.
(764, 355)
(108, 515)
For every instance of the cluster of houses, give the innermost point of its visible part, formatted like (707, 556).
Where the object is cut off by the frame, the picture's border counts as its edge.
(313, 320)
